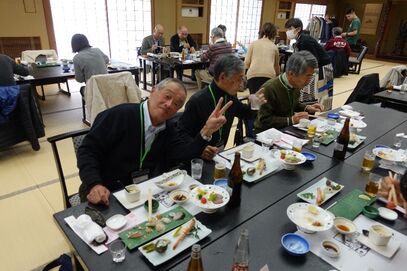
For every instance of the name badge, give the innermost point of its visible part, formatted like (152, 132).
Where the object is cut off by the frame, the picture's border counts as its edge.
(140, 176)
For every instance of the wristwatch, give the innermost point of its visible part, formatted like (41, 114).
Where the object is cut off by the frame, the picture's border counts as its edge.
(206, 138)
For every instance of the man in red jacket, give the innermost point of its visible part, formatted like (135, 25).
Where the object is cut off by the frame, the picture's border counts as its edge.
(337, 42)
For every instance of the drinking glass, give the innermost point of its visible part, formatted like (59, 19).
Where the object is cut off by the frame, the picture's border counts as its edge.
(372, 187)
(311, 131)
(196, 168)
(118, 250)
(316, 142)
(368, 161)
(220, 171)
(297, 145)
(254, 102)
(398, 140)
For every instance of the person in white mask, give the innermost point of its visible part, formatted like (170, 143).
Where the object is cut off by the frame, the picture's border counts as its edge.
(311, 94)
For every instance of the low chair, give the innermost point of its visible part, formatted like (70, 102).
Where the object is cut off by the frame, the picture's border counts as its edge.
(77, 138)
(356, 63)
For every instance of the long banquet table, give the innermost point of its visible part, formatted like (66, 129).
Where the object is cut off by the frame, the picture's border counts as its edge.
(262, 211)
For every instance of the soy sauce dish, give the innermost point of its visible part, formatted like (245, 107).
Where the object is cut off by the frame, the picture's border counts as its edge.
(330, 249)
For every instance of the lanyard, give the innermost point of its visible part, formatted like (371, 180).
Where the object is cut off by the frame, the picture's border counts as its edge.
(143, 151)
(290, 98)
(214, 104)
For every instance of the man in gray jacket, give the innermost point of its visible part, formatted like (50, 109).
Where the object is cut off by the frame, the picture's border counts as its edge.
(154, 42)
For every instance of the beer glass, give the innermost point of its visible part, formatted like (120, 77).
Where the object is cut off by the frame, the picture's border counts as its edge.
(220, 171)
(372, 187)
(368, 161)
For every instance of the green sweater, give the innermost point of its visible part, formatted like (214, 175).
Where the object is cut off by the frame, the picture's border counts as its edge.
(282, 103)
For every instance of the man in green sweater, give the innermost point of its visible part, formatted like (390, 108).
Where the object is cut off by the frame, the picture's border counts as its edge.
(352, 35)
(282, 94)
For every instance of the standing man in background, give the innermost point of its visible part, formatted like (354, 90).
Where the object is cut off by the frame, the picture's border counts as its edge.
(352, 35)
(154, 42)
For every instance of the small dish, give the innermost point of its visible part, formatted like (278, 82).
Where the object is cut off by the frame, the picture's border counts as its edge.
(155, 204)
(388, 214)
(344, 226)
(179, 196)
(334, 116)
(370, 212)
(171, 181)
(116, 222)
(221, 182)
(379, 235)
(201, 197)
(295, 244)
(132, 193)
(330, 249)
(309, 156)
(192, 186)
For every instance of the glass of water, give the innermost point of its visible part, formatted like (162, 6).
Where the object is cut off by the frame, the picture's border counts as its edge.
(196, 168)
(118, 250)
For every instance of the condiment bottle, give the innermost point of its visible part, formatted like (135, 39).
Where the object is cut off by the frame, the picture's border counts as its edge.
(342, 141)
(241, 257)
(235, 181)
(195, 263)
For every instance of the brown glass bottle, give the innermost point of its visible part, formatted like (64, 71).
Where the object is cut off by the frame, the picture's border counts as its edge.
(235, 180)
(195, 263)
(342, 141)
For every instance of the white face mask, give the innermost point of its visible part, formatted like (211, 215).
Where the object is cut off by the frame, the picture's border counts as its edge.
(291, 34)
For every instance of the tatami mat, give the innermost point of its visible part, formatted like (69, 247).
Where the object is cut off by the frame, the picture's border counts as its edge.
(29, 188)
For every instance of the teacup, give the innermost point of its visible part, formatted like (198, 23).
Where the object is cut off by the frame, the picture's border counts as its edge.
(132, 192)
(304, 123)
(248, 151)
(379, 235)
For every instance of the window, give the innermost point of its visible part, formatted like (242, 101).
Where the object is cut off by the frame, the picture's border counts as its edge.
(306, 11)
(129, 22)
(241, 17)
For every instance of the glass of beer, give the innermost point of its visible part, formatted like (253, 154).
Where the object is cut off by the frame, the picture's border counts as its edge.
(372, 187)
(297, 145)
(220, 171)
(368, 161)
(311, 131)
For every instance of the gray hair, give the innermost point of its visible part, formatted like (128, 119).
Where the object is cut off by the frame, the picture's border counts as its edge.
(162, 84)
(300, 61)
(336, 31)
(229, 65)
(217, 32)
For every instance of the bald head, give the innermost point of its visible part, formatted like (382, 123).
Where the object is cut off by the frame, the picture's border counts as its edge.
(158, 31)
(182, 32)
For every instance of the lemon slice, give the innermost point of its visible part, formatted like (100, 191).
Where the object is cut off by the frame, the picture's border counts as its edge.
(364, 197)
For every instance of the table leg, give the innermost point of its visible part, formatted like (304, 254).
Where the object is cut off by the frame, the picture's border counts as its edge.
(153, 74)
(144, 74)
(66, 92)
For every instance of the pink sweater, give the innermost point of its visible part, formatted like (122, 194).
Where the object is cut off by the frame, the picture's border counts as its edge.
(261, 58)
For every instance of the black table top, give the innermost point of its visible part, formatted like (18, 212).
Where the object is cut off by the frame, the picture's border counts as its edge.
(267, 228)
(387, 139)
(379, 121)
(395, 96)
(255, 198)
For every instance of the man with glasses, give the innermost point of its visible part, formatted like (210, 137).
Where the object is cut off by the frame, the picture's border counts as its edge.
(228, 79)
(282, 93)
(218, 47)
(155, 42)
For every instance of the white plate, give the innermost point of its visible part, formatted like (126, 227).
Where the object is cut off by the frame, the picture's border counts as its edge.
(387, 251)
(389, 154)
(121, 197)
(300, 215)
(158, 258)
(398, 208)
(359, 140)
(209, 206)
(116, 222)
(359, 124)
(257, 154)
(171, 181)
(387, 214)
(289, 153)
(313, 189)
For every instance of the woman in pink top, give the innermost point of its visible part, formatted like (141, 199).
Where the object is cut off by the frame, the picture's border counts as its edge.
(262, 58)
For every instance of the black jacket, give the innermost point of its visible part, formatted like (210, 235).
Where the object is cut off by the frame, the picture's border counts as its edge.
(175, 47)
(112, 148)
(8, 67)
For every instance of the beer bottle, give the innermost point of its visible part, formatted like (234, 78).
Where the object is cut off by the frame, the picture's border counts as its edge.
(235, 180)
(241, 257)
(342, 141)
(195, 263)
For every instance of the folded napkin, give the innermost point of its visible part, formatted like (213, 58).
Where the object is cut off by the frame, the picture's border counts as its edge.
(87, 231)
(349, 113)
